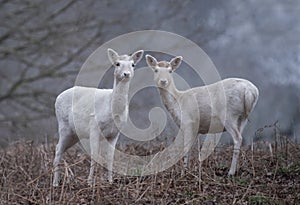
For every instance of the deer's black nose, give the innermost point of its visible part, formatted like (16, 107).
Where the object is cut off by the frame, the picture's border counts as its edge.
(126, 74)
(163, 82)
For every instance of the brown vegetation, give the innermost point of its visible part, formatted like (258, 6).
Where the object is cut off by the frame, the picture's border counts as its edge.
(263, 178)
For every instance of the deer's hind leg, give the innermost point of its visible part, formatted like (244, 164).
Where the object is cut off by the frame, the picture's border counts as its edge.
(67, 139)
(235, 130)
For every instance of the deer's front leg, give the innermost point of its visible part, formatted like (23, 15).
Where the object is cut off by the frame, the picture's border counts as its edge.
(95, 153)
(110, 156)
(189, 134)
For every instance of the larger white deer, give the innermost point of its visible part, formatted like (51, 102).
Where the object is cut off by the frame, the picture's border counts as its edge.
(203, 108)
(91, 113)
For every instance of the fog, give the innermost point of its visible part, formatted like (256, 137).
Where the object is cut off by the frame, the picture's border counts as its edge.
(44, 44)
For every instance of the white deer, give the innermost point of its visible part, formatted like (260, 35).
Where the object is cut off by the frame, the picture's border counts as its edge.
(201, 110)
(91, 113)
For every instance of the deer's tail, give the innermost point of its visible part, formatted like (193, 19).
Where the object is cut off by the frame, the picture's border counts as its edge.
(251, 97)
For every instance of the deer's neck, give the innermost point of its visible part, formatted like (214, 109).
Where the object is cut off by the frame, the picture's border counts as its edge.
(119, 101)
(170, 98)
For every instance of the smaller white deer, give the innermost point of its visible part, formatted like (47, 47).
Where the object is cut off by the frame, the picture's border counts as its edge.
(202, 108)
(91, 113)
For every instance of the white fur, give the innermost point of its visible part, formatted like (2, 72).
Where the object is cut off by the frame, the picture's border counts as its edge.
(202, 109)
(84, 112)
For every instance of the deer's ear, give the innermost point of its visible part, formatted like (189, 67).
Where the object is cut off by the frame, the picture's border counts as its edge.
(137, 56)
(175, 62)
(151, 61)
(112, 55)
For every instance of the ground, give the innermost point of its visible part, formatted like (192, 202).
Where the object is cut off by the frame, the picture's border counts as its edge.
(263, 178)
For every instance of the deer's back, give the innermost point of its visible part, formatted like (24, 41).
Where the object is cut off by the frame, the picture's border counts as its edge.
(77, 106)
(213, 104)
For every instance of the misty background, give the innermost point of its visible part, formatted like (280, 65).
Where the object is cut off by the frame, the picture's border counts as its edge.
(43, 45)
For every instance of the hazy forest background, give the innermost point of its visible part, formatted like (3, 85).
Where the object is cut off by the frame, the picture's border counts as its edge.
(43, 45)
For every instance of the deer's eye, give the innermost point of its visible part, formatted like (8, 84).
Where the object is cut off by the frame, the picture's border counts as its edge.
(133, 65)
(117, 64)
(170, 71)
(155, 70)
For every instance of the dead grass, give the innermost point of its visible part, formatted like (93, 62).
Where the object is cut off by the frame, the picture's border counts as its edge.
(263, 178)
